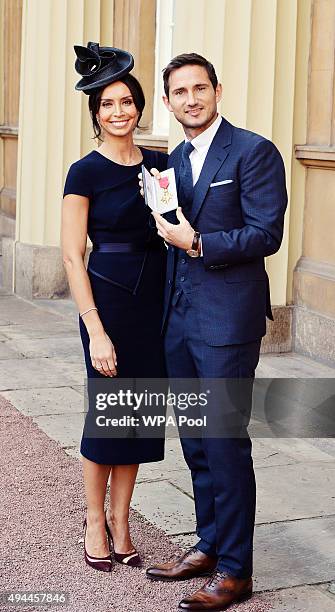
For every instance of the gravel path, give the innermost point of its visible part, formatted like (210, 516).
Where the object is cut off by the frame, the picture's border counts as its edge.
(41, 514)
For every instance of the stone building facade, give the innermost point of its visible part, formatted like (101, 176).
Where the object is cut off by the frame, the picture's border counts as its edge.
(275, 59)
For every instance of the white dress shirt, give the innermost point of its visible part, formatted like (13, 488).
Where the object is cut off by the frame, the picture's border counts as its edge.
(201, 145)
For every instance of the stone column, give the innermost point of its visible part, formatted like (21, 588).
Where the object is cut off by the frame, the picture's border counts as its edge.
(10, 24)
(253, 45)
(314, 277)
(53, 132)
(135, 30)
(54, 123)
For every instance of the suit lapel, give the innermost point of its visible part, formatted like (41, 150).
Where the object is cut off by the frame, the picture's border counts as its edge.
(175, 161)
(215, 157)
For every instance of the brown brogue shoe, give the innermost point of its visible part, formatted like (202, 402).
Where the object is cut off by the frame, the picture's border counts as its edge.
(191, 564)
(218, 593)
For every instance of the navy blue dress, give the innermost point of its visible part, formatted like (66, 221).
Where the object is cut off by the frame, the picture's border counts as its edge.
(127, 287)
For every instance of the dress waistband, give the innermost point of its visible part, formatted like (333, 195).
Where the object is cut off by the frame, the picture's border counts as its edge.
(125, 247)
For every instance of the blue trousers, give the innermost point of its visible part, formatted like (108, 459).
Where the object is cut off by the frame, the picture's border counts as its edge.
(221, 468)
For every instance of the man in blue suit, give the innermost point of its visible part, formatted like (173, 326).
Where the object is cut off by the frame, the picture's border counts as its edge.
(231, 188)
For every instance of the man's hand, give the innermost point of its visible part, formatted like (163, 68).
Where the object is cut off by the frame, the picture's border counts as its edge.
(180, 235)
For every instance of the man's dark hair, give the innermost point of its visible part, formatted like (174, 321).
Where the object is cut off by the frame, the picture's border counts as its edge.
(95, 99)
(188, 59)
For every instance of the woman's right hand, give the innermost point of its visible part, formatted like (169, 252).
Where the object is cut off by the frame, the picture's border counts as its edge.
(103, 354)
(154, 172)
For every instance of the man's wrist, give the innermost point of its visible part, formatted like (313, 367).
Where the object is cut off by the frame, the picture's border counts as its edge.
(190, 242)
(195, 249)
(200, 247)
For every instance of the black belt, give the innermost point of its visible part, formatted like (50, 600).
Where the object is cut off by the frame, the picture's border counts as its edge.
(125, 247)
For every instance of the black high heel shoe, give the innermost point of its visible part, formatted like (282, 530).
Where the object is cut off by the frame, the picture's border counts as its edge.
(132, 558)
(103, 564)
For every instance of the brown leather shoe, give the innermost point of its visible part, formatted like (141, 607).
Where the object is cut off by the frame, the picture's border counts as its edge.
(190, 564)
(218, 593)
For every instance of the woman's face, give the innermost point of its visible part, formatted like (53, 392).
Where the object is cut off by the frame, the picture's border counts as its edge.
(117, 114)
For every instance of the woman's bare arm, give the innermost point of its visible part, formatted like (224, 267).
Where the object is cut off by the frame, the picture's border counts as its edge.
(74, 237)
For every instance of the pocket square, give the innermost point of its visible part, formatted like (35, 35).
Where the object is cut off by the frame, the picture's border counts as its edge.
(221, 183)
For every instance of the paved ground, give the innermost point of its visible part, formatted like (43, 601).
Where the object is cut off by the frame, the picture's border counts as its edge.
(42, 375)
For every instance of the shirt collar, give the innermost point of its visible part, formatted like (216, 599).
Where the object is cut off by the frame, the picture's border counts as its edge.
(204, 140)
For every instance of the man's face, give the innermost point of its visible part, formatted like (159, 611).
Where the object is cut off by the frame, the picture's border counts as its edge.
(192, 98)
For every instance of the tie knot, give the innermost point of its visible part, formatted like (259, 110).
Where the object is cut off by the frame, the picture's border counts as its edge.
(187, 148)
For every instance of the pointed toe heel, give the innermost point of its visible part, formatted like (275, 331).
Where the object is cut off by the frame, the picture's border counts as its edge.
(132, 558)
(102, 564)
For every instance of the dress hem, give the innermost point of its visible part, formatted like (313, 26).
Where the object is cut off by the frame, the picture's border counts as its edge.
(123, 462)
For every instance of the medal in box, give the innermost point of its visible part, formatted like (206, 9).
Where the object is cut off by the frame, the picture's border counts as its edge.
(160, 194)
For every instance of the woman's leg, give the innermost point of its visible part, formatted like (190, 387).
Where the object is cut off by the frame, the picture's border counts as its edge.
(121, 489)
(95, 480)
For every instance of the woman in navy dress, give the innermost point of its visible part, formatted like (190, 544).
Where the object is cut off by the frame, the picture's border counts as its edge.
(120, 295)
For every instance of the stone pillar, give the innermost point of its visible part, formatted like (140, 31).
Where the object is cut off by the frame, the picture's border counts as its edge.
(314, 277)
(53, 132)
(10, 24)
(54, 124)
(135, 30)
(254, 48)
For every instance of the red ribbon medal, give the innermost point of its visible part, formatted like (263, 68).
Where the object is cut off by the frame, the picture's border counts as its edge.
(164, 183)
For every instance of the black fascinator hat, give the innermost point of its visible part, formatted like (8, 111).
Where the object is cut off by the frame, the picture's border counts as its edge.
(100, 66)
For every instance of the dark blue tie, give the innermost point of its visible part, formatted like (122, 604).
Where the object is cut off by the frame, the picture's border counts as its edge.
(185, 176)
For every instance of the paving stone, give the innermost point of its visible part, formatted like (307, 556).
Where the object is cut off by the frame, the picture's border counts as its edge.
(38, 330)
(80, 388)
(301, 599)
(298, 491)
(182, 480)
(4, 322)
(291, 365)
(8, 352)
(164, 506)
(4, 291)
(20, 311)
(296, 599)
(69, 348)
(326, 445)
(63, 428)
(284, 451)
(295, 476)
(75, 370)
(38, 373)
(268, 452)
(73, 451)
(185, 541)
(42, 402)
(63, 307)
(293, 407)
(284, 494)
(174, 462)
(294, 553)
